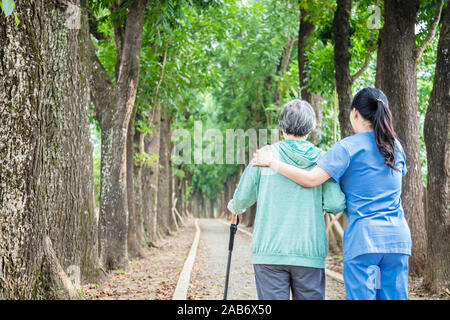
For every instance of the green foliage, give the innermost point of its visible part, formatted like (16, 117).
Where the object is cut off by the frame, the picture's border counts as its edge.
(120, 272)
(218, 62)
(146, 159)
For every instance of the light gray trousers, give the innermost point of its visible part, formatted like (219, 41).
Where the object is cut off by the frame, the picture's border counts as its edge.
(274, 282)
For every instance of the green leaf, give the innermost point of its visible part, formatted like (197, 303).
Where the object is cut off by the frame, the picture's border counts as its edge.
(8, 7)
(16, 18)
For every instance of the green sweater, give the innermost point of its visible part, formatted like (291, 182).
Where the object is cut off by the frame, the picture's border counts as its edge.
(289, 224)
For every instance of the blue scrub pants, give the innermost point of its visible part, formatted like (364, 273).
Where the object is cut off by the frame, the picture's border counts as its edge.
(377, 276)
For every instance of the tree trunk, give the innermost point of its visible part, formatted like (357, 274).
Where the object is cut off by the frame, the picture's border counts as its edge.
(113, 199)
(315, 100)
(196, 205)
(148, 204)
(305, 30)
(133, 245)
(211, 208)
(316, 103)
(343, 79)
(202, 212)
(47, 220)
(138, 187)
(221, 206)
(151, 174)
(396, 77)
(207, 203)
(437, 123)
(183, 198)
(164, 201)
(178, 190)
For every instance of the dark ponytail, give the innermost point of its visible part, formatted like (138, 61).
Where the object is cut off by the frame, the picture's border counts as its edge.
(372, 104)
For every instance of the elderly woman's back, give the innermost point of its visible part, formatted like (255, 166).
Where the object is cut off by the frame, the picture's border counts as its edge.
(289, 238)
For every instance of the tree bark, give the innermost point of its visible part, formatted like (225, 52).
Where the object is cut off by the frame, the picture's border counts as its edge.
(146, 195)
(305, 30)
(396, 77)
(138, 147)
(133, 245)
(316, 103)
(343, 79)
(315, 100)
(437, 139)
(47, 217)
(178, 190)
(113, 199)
(153, 147)
(207, 203)
(196, 205)
(164, 200)
(184, 197)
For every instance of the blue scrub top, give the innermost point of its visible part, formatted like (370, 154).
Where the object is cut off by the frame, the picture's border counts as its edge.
(376, 223)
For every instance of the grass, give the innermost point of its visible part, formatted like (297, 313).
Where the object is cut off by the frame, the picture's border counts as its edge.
(119, 272)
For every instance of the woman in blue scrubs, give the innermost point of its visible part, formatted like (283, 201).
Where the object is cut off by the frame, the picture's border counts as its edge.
(369, 166)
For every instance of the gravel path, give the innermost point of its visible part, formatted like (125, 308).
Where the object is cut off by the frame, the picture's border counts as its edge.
(208, 275)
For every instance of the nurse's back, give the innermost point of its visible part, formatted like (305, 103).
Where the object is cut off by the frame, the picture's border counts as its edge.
(376, 222)
(372, 188)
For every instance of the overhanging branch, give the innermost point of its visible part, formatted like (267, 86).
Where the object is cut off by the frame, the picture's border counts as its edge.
(437, 16)
(365, 65)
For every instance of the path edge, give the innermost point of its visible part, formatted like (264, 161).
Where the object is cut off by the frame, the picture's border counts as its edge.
(181, 289)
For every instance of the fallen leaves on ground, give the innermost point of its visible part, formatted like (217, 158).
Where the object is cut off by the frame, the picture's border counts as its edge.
(152, 277)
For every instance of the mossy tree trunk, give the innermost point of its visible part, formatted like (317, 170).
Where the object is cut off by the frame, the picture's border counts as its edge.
(138, 147)
(178, 192)
(164, 196)
(114, 110)
(437, 138)
(133, 243)
(147, 204)
(152, 147)
(47, 218)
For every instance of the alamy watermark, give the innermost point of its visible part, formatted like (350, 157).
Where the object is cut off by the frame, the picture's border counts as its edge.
(374, 21)
(73, 17)
(213, 146)
(74, 275)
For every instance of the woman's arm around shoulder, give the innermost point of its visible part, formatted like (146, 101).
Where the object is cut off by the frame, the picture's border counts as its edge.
(305, 178)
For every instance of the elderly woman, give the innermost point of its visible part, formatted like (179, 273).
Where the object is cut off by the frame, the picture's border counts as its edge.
(289, 240)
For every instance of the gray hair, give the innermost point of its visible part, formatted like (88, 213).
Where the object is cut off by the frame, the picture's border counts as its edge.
(297, 118)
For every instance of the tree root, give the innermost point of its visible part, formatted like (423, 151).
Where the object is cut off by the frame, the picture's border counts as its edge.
(64, 288)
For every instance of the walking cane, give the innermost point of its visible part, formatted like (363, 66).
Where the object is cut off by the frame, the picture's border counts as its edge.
(233, 229)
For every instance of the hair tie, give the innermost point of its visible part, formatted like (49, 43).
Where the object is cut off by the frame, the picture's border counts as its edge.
(382, 102)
